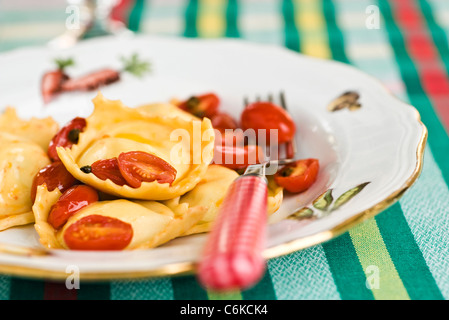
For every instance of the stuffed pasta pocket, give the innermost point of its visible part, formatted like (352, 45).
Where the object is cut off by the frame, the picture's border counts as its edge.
(131, 153)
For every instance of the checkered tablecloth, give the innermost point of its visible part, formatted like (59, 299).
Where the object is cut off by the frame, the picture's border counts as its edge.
(404, 43)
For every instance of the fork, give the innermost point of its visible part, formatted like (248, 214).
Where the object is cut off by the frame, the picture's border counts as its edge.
(232, 256)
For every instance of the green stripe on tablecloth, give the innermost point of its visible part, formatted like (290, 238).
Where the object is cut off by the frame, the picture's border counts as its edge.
(346, 269)
(135, 15)
(26, 289)
(5, 285)
(336, 38)
(232, 11)
(408, 259)
(146, 289)
(191, 15)
(188, 288)
(263, 290)
(438, 139)
(438, 34)
(292, 40)
(94, 291)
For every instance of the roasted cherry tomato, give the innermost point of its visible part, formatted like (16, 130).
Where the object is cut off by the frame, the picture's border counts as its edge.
(137, 167)
(268, 116)
(97, 232)
(71, 201)
(66, 137)
(226, 127)
(229, 138)
(205, 105)
(55, 175)
(237, 157)
(106, 169)
(222, 121)
(298, 176)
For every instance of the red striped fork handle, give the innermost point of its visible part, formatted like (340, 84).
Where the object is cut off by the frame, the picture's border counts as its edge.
(232, 256)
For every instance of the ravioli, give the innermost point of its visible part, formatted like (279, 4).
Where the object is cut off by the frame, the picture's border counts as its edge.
(40, 131)
(185, 143)
(211, 191)
(20, 160)
(153, 223)
(166, 109)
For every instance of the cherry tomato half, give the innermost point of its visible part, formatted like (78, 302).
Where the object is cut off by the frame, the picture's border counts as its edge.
(54, 175)
(268, 116)
(97, 232)
(205, 105)
(71, 201)
(298, 176)
(106, 169)
(137, 167)
(236, 157)
(66, 137)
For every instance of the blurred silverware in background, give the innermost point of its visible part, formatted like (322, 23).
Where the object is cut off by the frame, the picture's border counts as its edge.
(84, 16)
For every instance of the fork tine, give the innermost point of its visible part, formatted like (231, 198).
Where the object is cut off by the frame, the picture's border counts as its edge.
(291, 146)
(282, 99)
(245, 102)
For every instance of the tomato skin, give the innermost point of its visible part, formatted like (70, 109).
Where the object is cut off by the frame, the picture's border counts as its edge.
(51, 84)
(268, 116)
(71, 201)
(137, 167)
(54, 175)
(229, 137)
(97, 232)
(66, 137)
(205, 105)
(108, 169)
(225, 129)
(250, 154)
(295, 183)
(222, 121)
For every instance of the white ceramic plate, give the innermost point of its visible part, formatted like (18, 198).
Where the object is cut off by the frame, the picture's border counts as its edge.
(378, 147)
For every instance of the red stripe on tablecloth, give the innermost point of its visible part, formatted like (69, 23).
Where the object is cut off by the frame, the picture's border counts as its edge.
(421, 48)
(58, 291)
(121, 11)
